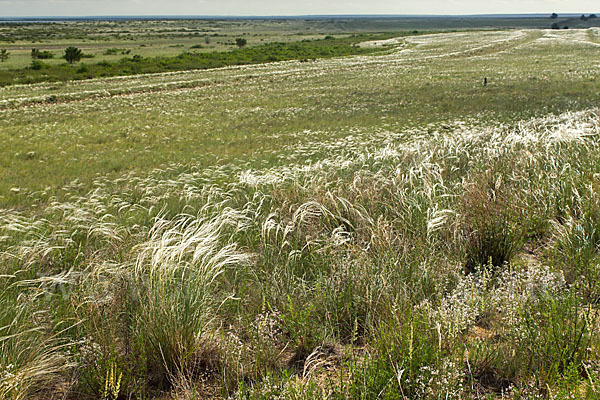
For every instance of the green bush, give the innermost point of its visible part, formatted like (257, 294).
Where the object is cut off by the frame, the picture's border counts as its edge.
(37, 65)
(82, 69)
(36, 54)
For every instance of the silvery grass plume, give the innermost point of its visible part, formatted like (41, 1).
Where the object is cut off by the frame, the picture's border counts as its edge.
(70, 226)
(333, 222)
(177, 287)
(31, 358)
(194, 243)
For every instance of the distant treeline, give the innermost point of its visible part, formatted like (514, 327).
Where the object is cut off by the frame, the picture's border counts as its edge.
(305, 50)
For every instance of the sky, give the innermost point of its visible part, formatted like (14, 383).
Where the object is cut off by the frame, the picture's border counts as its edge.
(19, 8)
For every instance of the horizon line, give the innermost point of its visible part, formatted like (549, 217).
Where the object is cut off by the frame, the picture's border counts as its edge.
(213, 16)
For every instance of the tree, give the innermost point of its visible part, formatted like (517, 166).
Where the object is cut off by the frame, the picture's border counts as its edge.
(73, 54)
(592, 16)
(240, 42)
(207, 39)
(4, 55)
(554, 16)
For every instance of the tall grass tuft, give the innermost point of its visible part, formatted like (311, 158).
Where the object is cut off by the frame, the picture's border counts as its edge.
(177, 294)
(32, 358)
(490, 233)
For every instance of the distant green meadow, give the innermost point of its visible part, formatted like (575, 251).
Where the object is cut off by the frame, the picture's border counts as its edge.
(41, 71)
(371, 215)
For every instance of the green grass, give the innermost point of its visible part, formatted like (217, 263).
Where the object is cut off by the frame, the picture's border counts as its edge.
(163, 125)
(379, 225)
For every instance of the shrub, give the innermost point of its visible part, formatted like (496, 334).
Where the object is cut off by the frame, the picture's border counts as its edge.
(37, 65)
(240, 42)
(111, 52)
(36, 54)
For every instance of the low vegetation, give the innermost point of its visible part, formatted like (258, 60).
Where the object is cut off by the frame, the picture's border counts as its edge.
(272, 52)
(37, 54)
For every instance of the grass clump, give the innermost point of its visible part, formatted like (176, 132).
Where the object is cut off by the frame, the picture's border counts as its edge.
(490, 227)
(32, 358)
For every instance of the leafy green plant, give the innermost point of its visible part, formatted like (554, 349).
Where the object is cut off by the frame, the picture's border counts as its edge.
(406, 355)
(299, 326)
(37, 65)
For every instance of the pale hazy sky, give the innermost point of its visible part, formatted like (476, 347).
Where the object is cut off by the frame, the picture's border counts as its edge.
(288, 7)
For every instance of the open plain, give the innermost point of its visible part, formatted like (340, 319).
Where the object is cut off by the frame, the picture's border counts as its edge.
(372, 226)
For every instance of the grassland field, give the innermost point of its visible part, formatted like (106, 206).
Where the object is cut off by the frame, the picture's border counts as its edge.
(109, 41)
(375, 226)
(171, 38)
(144, 38)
